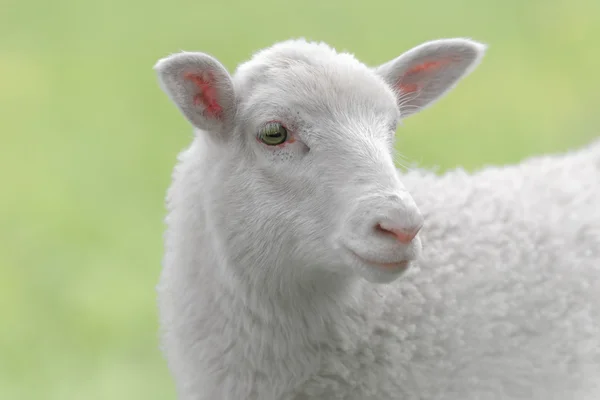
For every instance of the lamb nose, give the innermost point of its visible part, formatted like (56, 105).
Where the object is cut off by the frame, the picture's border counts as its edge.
(403, 235)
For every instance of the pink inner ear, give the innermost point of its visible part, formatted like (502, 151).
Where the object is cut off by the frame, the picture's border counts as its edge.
(413, 73)
(207, 93)
(408, 87)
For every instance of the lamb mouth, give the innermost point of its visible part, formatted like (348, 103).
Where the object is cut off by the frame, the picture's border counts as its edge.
(388, 266)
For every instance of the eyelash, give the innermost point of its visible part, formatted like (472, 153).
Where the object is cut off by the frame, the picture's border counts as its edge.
(291, 137)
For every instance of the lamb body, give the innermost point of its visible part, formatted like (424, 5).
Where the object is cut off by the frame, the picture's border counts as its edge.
(259, 300)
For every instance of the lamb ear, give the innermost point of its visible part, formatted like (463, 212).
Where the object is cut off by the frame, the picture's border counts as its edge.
(200, 87)
(425, 73)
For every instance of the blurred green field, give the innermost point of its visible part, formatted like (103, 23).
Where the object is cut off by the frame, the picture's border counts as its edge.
(87, 143)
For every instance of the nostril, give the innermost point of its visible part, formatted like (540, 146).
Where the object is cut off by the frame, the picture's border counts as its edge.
(403, 235)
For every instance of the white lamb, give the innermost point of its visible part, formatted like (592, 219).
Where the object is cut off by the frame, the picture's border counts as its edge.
(289, 225)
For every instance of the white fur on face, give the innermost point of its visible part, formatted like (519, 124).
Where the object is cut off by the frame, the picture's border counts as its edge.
(316, 199)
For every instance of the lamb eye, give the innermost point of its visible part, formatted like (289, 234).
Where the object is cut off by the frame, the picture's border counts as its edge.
(273, 134)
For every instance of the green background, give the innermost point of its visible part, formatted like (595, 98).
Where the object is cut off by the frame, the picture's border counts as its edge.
(88, 141)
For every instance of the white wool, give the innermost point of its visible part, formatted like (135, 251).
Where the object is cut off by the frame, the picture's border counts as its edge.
(270, 288)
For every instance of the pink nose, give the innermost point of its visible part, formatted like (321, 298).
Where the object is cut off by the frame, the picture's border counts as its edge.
(403, 235)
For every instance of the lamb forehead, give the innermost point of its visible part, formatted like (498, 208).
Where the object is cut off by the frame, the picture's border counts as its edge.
(282, 54)
(314, 68)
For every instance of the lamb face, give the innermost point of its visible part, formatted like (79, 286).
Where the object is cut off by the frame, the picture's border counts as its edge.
(305, 180)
